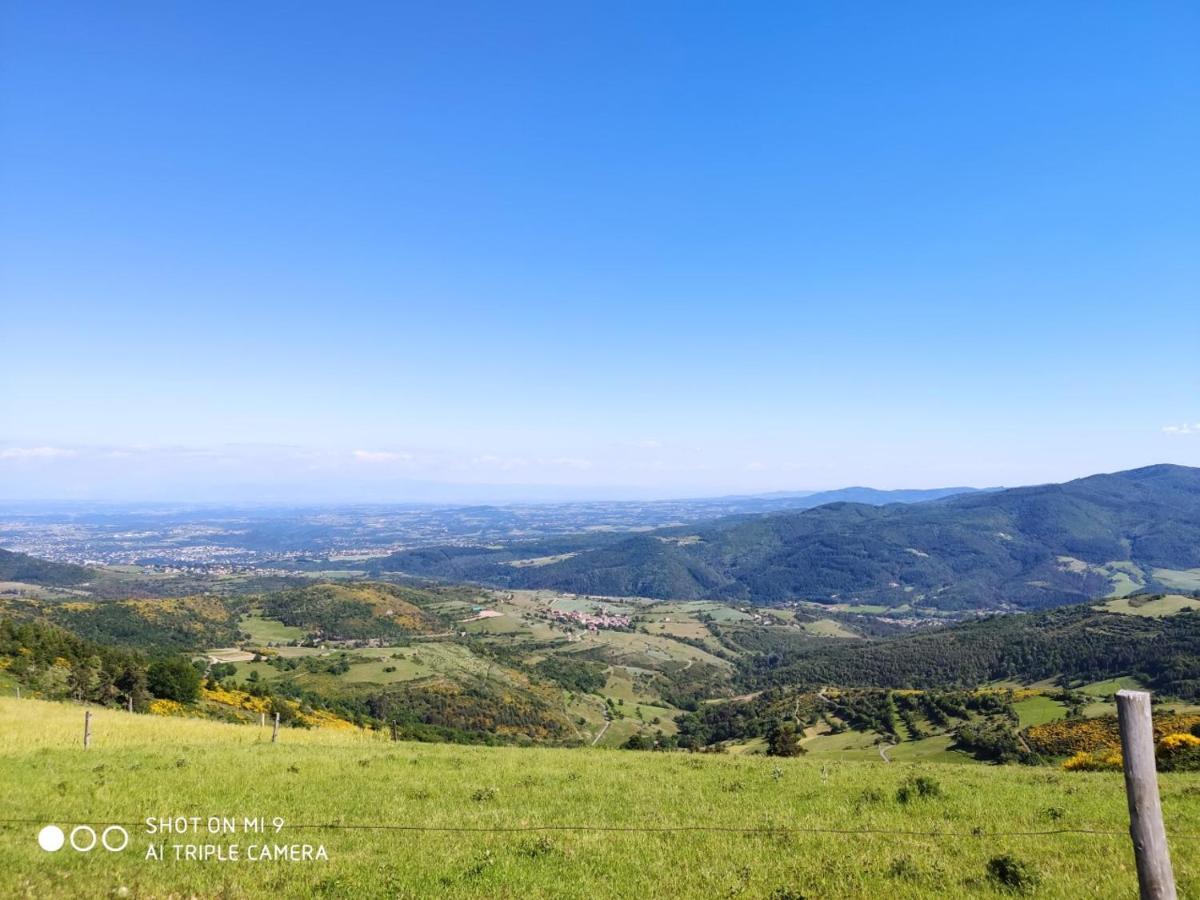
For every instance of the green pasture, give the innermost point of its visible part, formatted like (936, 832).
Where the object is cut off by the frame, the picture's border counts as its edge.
(813, 827)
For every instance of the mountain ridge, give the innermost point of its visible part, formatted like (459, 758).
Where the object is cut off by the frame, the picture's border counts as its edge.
(1027, 547)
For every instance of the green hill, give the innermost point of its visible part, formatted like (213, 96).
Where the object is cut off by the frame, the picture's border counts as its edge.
(469, 822)
(1073, 644)
(1026, 547)
(21, 567)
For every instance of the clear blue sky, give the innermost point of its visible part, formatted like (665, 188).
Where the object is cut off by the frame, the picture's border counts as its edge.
(645, 248)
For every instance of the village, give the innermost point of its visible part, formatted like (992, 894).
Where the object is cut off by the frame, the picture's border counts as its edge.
(591, 621)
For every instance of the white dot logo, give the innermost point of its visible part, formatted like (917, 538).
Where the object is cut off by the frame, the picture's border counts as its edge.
(51, 838)
(83, 838)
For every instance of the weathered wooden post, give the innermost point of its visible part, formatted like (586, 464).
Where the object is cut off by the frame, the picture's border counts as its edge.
(275, 730)
(131, 702)
(87, 728)
(1156, 881)
(262, 720)
(395, 734)
(18, 692)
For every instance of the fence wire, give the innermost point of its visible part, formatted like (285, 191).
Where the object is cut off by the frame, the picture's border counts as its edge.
(657, 829)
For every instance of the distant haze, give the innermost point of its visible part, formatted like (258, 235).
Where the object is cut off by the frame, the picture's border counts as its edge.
(287, 475)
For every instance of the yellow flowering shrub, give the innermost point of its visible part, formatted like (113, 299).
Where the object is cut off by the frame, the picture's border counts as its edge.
(320, 718)
(1179, 742)
(1067, 736)
(238, 699)
(1178, 751)
(243, 700)
(166, 708)
(1100, 761)
(1174, 752)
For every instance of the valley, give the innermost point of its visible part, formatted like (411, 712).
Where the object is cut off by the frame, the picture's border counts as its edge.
(550, 714)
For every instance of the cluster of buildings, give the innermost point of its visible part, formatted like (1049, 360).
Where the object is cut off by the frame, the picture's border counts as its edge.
(590, 621)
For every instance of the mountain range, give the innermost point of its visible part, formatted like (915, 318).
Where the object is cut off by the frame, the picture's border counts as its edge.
(1027, 547)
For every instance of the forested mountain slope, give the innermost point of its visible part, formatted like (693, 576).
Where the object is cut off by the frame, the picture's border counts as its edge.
(1026, 547)
(21, 567)
(1078, 643)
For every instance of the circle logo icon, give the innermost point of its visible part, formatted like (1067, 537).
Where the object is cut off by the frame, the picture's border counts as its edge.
(114, 829)
(51, 838)
(87, 830)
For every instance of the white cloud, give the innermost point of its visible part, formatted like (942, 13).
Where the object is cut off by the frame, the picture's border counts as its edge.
(1182, 429)
(35, 453)
(381, 456)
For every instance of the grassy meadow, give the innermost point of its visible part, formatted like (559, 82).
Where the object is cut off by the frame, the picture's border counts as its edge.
(1166, 605)
(142, 766)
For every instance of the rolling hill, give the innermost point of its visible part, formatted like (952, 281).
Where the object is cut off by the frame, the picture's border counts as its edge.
(20, 567)
(1076, 643)
(1028, 547)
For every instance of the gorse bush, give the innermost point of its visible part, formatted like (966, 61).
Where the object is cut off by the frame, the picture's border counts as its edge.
(1074, 735)
(1179, 753)
(1176, 752)
(1107, 760)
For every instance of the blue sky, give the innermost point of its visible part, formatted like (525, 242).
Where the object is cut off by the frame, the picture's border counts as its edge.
(348, 250)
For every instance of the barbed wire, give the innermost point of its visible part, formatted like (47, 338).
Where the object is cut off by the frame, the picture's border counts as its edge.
(658, 829)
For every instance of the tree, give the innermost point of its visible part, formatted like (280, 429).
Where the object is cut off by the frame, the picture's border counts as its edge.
(131, 683)
(174, 678)
(283, 709)
(81, 678)
(782, 740)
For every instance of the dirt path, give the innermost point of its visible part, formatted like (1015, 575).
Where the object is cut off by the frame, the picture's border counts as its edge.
(883, 749)
(596, 739)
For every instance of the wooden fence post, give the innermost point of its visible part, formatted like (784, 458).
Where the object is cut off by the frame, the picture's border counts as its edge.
(262, 720)
(1156, 881)
(18, 692)
(131, 702)
(395, 735)
(87, 728)
(275, 731)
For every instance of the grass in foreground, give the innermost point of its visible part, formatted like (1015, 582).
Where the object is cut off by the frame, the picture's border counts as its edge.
(143, 766)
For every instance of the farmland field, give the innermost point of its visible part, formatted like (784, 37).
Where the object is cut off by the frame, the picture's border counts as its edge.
(1167, 605)
(142, 766)
(828, 628)
(1179, 579)
(269, 631)
(1038, 710)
